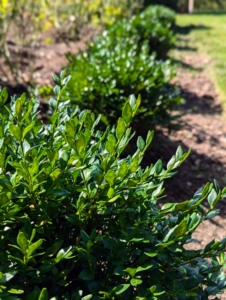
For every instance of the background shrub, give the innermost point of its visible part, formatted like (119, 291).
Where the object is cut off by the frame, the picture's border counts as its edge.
(77, 221)
(118, 63)
(169, 3)
(103, 78)
(154, 25)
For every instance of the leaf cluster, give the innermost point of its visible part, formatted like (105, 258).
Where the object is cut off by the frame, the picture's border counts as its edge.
(78, 221)
(118, 63)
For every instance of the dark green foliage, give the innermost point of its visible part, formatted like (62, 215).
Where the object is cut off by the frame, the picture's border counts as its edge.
(169, 3)
(79, 222)
(102, 81)
(209, 5)
(119, 64)
(154, 25)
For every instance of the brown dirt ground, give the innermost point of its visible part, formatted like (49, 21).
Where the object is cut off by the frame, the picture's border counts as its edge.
(46, 59)
(204, 130)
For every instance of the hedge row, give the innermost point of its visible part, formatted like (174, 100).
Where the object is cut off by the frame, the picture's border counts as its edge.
(125, 60)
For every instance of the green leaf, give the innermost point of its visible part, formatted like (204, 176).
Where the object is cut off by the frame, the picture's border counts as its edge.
(26, 147)
(152, 254)
(86, 275)
(15, 130)
(80, 143)
(33, 233)
(118, 271)
(127, 113)
(56, 78)
(140, 143)
(193, 281)
(3, 96)
(66, 80)
(59, 192)
(179, 153)
(88, 297)
(119, 289)
(15, 291)
(32, 248)
(18, 106)
(56, 90)
(171, 163)
(122, 169)
(84, 236)
(158, 167)
(135, 281)
(144, 268)
(43, 295)
(212, 197)
(54, 118)
(28, 128)
(110, 177)
(22, 241)
(54, 248)
(7, 276)
(63, 158)
(53, 103)
(114, 199)
(55, 174)
(132, 101)
(181, 229)
(70, 129)
(4, 200)
(111, 143)
(62, 74)
(120, 129)
(131, 271)
(149, 137)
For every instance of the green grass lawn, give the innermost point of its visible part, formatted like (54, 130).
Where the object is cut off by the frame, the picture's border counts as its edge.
(209, 36)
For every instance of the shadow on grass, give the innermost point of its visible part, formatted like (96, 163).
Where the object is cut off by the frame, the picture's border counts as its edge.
(184, 30)
(185, 48)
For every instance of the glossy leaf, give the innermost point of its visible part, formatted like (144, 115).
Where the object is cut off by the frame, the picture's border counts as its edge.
(43, 295)
(22, 241)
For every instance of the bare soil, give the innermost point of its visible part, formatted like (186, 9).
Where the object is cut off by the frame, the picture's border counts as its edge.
(42, 60)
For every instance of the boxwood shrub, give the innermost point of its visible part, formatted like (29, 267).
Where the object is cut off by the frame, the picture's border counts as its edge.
(79, 221)
(154, 24)
(119, 63)
(104, 77)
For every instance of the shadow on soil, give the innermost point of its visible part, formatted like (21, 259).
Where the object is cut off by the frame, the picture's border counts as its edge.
(16, 89)
(205, 105)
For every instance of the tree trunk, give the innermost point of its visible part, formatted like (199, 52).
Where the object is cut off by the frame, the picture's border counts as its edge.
(190, 6)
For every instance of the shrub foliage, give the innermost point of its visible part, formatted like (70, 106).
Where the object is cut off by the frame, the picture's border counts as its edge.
(103, 79)
(77, 221)
(119, 64)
